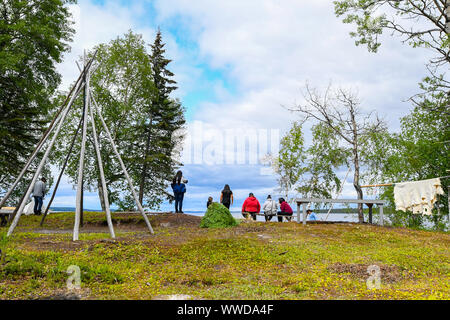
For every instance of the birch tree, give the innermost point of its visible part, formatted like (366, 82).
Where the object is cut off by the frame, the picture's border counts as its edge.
(340, 113)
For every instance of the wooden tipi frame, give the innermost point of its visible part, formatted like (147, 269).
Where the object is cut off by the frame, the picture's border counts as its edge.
(55, 126)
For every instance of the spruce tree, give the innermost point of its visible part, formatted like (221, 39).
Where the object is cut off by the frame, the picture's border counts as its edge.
(165, 115)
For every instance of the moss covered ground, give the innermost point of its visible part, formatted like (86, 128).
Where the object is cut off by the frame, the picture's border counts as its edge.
(254, 260)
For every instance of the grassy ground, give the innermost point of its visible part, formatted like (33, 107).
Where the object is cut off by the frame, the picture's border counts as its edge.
(254, 260)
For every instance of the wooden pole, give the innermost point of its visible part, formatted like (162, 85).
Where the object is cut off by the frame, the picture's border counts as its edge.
(370, 205)
(130, 182)
(41, 165)
(378, 185)
(79, 208)
(62, 172)
(84, 119)
(391, 184)
(381, 215)
(304, 213)
(102, 175)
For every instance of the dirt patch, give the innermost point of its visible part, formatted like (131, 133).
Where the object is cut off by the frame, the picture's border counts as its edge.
(177, 219)
(389, 274)
(129, 223)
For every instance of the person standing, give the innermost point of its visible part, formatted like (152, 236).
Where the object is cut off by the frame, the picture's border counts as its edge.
(226, 197)
(38, 195)
(251, 206)
(286, 210)
(179, 189)
(270, 208)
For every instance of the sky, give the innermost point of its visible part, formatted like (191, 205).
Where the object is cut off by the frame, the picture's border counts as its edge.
(239, 66)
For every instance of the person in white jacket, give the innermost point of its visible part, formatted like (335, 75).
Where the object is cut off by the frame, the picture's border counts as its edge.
(270, 208)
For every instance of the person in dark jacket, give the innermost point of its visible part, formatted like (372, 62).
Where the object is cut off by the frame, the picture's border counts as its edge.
(285, 210)
(226, 197)
(251, 206)
(179, 189)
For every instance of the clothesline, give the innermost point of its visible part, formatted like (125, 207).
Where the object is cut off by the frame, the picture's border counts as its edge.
(391, 184)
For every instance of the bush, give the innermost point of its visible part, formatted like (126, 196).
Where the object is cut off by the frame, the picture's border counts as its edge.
(217, 216)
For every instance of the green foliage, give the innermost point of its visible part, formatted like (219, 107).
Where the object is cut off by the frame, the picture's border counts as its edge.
(34, 35)
(419, 151)
(325, 156)
(217, 216)
(289, 166)
(373, 17)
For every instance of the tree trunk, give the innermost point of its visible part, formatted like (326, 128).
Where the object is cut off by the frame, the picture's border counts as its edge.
(101, 194)
(447, 16)
(356, 184)
(356, 163)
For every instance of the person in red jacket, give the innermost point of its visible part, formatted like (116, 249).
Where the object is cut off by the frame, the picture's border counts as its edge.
(286, 210)
(251, 206)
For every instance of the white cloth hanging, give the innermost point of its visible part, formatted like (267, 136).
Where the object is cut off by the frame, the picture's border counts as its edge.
(417, 196)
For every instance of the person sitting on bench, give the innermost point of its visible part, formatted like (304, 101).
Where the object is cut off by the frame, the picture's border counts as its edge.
(311, 215)
(286, 210)
(251, 206)
(270, 208)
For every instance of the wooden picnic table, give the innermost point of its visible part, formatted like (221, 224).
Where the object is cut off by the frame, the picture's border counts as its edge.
(302, 202)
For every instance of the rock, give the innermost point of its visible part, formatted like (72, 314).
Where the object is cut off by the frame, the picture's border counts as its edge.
(264, 236)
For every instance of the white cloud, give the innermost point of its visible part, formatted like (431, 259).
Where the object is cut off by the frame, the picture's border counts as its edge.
(269, 49)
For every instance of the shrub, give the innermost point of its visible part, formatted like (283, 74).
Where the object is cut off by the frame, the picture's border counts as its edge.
(217, 216)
